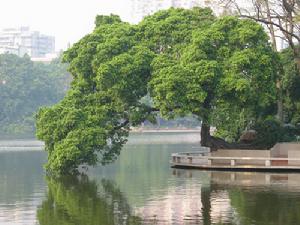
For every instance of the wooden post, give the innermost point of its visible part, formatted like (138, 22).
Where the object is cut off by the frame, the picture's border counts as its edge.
(267, 162)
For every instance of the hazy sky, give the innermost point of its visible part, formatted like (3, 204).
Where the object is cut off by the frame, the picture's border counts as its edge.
(67, 20)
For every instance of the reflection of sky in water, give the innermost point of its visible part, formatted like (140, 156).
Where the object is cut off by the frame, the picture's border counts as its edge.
(221, 211)
(183, 203)
(154, 191)
(22, 186)
(178, 204)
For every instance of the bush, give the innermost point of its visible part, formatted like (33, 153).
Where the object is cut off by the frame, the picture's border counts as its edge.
(270, 131)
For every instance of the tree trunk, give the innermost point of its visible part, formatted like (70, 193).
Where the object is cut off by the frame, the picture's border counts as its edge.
(205, 134)
(205, 126)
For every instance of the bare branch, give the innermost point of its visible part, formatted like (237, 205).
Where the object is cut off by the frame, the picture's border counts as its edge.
(285, 31)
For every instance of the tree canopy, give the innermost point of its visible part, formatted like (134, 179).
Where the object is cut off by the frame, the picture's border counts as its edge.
(280, 19)
(187, 60)
(228, 65)
(110, 74)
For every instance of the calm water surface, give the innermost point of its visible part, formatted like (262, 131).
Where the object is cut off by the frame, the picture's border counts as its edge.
(141, 188)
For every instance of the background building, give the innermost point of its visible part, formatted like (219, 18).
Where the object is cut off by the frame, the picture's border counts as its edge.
(21, 41)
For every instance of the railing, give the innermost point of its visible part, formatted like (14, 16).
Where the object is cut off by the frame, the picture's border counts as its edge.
(201, 158)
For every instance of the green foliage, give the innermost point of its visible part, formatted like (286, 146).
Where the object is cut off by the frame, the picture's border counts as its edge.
(102, 20)
(290, 85)
(270, 131)
(291, 78)
(169, 31)
(110, 74)
(24, 87)
(229, 67)
(231, 121)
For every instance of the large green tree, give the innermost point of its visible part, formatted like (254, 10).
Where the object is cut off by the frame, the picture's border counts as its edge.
(188, 61)
(228, 67)
(111, 69)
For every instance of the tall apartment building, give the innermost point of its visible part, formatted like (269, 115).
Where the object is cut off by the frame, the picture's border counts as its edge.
(21, 41)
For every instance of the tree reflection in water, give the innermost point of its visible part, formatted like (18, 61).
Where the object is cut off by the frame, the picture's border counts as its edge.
(77, 200)
(219, 198)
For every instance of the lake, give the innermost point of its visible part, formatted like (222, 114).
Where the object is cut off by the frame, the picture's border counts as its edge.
(141, 188)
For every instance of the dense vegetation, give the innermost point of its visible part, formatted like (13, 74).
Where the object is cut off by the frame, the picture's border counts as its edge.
(221, 70)
(24, 87)
(290, 85)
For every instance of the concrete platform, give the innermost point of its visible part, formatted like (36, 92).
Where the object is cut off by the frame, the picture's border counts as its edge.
(205, 161)
(237, 168)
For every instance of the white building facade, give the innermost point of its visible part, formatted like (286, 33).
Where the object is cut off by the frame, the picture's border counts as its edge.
(21, 41)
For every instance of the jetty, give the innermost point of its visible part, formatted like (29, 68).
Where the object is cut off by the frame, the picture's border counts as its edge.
(282, 157)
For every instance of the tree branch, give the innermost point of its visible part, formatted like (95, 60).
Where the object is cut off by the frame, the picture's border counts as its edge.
(274, 24)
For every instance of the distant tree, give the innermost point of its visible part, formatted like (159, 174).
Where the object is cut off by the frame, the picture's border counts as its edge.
(24, 87)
